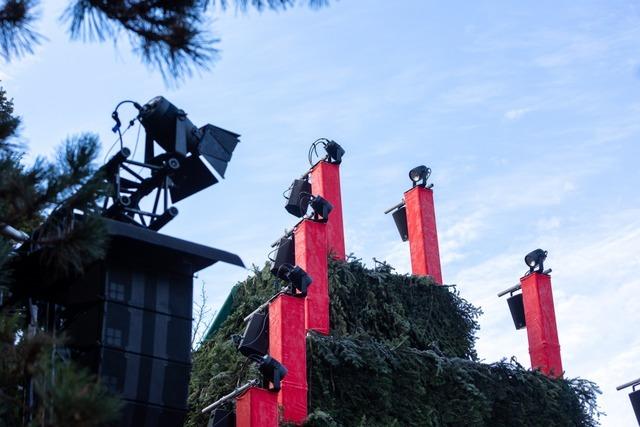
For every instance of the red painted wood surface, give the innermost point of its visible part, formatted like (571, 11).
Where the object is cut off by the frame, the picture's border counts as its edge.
(257, 408)
(542, 332)
(325, 181)
(311, 255)
(287, 343)
(423, 234)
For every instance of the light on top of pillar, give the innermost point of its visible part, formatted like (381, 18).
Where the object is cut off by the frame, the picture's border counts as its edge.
(535, 261)
(272, 373)
(299, 198)
(333, 149)
(420, 173)
(297, 278)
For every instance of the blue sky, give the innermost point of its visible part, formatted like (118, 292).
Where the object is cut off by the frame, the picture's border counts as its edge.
(529, 116)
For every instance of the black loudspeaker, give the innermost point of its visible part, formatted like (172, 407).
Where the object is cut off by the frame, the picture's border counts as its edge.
(516, 307)
(299, 198)
(255, 341)
(141, 415)
(634, 396)
(400, 218)
(222, 418)
(285, 254)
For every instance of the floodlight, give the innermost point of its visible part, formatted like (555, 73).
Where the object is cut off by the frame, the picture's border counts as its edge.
(299, 197)
(272, 373)
(255, 340)
(285, 254)
(419, 173)
(321, 208)
(296, 277)
(334, 152)
(535, 259)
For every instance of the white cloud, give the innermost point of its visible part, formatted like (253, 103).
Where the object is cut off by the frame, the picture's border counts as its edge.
(516, 113)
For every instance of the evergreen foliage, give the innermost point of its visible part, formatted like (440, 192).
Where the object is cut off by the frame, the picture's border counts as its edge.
(400, 352)
(42, 200)
(169, 35)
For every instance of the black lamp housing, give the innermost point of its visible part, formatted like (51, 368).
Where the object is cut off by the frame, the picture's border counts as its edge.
(299, 198)
(334, 152)
(321, 208)
(535, 260)
(296, 277)
(272, 373)
(516, 307)
(419, 173)
(285, 254)
(255, 340)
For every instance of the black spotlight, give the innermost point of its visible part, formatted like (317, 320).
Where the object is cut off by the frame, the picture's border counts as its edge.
(334, 152)
(255, 341)
(272, 373)
(516, 307)
(299, 198)
(400, 218)
(535, 259)
(285, 254)
(173, 131)
(321, 208)
(420, 173)
(296, 277)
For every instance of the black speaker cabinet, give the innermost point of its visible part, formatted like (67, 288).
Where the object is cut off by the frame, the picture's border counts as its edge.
(128, 319)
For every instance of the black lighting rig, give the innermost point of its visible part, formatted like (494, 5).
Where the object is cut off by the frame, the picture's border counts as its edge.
(174, 173)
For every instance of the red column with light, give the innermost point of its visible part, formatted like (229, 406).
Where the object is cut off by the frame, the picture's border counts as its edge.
(287, 344)
(257, 407)
(310, 239)
(325, 182)
(540, 317)
(423, 235)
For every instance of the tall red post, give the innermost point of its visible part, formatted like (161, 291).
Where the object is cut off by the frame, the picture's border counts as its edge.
(257, 407)
(423, 235)
(325, 182)
(540, 317)
(310, 239)
(287, 344)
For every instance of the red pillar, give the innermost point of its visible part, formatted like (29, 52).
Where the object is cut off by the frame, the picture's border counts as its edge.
(540, 317)
(257, 407)
(287, 344)
(423, 235)
(325, 181)
(311, 255)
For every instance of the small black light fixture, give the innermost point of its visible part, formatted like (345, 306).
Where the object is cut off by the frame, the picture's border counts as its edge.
(535, 261)
(321, 209)
(299, 197)
(420, 173)
(297, 278)
(255, 340)
(284, 253)
(516, 306)
(333, 149)
(272, 373)
(634, 396)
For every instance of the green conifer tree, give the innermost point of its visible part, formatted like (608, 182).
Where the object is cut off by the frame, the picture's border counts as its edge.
(39, 386)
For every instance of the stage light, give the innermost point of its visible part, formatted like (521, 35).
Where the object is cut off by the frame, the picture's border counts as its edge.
(174, 132)
(299, 198)
(634, 396)
(321, 208)
(285, 254)
(296, 277)
(420, 173)
(255, 340)
(272, 373)
(535, 259)
(334, 152)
